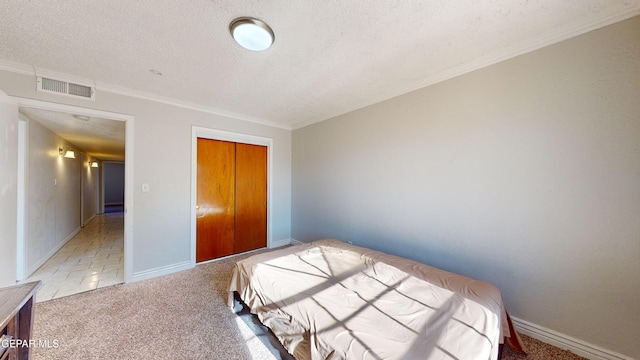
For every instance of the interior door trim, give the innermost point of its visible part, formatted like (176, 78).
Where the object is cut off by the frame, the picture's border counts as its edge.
(215, 134)
(128, 154)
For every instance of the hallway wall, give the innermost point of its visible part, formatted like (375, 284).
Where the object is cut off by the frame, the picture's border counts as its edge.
(53, 195)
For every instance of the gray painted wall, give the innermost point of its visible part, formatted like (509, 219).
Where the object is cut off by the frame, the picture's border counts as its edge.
(162, 158)
(525, 174)
(113, 183)
(8, 189)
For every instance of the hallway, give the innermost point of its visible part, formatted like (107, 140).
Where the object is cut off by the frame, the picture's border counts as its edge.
(94, 258)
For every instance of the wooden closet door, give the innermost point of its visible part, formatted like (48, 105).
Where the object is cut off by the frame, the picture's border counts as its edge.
(215, 213)
(251, 197)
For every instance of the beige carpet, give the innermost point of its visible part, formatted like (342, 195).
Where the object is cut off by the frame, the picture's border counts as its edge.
(178, 316)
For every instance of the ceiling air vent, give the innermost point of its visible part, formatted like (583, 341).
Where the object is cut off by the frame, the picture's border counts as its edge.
(62, 87)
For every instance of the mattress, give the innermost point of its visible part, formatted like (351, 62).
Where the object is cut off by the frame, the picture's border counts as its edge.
(331, 300)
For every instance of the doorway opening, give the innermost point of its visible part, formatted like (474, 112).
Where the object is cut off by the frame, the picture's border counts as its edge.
(70, 195)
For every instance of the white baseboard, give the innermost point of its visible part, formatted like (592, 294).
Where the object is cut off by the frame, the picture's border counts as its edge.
(279, 243)
(163, 270)
(566, 342)
(31, 269)
(296, 242)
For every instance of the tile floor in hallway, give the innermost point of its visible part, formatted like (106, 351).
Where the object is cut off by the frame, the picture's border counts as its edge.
(92, 259)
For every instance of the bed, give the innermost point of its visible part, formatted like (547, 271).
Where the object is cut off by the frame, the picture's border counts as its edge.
(331, 300)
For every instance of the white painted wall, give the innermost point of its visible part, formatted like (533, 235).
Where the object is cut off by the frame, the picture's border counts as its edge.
(525, 174)
(8, 189)
(53, 195)
(162, 158)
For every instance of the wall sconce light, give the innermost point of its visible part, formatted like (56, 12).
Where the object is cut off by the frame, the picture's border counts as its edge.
(94, 164)
(70, 154)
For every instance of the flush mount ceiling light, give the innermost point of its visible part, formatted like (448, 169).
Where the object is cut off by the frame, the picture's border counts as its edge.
(251, 33)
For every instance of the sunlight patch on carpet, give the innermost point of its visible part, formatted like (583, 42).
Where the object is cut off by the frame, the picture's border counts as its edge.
(255, 346)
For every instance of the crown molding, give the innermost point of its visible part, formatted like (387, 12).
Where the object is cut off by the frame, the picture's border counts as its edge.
(186, 105)
(24, 69)
(17, 68)
(543, 40)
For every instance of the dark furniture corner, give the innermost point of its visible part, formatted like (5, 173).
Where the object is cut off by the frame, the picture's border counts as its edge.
(16, 314)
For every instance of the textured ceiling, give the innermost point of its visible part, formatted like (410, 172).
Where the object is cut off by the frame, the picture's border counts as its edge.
(98, 137)
(328, 57)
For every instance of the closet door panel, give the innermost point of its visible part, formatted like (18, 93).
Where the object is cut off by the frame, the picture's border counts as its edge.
(215, 213)
(251, 197)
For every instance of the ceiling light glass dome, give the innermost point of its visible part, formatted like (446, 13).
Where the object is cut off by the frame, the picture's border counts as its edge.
(251, 33)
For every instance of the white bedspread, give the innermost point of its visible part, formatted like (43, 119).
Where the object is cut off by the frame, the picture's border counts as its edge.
(331, 300)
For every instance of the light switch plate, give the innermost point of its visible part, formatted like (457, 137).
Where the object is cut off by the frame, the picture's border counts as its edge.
(145, 187)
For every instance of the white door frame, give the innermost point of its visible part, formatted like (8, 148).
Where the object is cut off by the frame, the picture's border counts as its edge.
(208, 133)
(21, 261)
(128, 178)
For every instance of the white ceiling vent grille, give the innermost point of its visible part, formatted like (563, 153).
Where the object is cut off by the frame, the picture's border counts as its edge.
(62, 87)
